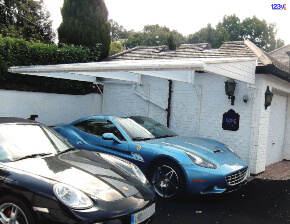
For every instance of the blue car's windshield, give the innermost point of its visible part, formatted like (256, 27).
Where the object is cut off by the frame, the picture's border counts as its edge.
(143, 128)
(19, 141)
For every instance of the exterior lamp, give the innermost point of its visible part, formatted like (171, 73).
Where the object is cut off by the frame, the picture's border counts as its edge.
(230, 86)
(268, 98)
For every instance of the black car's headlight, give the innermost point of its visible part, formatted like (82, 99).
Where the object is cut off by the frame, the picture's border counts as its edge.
(72, 197)
(201, 161)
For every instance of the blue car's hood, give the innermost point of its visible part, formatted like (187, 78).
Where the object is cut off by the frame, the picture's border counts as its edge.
(206, 148)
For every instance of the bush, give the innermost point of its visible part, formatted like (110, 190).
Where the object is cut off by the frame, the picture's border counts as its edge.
(18, 52)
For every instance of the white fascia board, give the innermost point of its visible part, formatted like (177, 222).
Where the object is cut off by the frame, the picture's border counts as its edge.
(114, 66)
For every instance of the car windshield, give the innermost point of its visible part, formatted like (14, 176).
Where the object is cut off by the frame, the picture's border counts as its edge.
(19, 141)
(143, 128)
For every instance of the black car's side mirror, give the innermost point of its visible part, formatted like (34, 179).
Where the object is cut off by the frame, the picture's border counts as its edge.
(111, 136)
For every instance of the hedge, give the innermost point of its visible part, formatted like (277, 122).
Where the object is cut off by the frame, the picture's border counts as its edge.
(18, 52)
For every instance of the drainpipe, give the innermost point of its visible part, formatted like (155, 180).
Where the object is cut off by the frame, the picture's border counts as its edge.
(168, 109)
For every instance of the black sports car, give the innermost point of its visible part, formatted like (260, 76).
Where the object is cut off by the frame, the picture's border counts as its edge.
(43, 179)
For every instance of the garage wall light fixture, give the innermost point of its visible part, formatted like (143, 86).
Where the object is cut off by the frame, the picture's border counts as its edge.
(268, 98)
(230, 86)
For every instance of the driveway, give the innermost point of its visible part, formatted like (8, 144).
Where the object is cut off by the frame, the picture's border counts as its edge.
(262, 201)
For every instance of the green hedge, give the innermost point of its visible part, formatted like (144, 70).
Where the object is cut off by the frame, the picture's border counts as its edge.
(18, 52)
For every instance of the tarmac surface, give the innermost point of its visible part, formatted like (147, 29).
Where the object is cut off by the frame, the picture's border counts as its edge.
(262, 201)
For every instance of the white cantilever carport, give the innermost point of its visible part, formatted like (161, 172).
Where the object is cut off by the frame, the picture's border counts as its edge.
(198, 99)
(242, 69)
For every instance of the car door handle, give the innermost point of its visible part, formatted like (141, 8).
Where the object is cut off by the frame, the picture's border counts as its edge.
(79, 142)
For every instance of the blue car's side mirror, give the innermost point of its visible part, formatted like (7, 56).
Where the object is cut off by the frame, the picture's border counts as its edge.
(110, 136)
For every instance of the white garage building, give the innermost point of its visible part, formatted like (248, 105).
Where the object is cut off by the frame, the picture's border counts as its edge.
(185, 89)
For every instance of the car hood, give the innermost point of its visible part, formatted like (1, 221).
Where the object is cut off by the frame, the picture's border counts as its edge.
(84, 170)
(209, 149)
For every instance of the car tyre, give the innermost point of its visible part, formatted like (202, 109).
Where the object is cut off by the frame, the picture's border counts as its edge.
(13, 210)
(167, 180)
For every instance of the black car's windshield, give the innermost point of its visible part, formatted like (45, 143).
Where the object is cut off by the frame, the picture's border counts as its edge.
(19, 141)
(143, 128)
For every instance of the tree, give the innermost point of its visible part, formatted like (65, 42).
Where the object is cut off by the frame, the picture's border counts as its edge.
(260, 33)
(115, 48)
(26, 19)
(118, 32)
(232, 29)
(153, 35)
(86, 23)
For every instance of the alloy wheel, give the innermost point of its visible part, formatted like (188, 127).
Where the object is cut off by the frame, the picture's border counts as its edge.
(165, 181)
(12, 214)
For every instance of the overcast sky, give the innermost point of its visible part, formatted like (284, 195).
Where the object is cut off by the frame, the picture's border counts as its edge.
(186, 16)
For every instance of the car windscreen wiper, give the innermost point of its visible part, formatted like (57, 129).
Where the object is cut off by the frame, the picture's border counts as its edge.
(32, 156)
(67, 150)
(165, 136)
(141, 139)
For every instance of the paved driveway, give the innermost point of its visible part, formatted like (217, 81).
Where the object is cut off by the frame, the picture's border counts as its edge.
(260, 202)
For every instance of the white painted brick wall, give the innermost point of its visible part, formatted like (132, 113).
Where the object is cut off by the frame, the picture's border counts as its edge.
(261, 120)
(215, 103)
(287, 132)
(51, 108)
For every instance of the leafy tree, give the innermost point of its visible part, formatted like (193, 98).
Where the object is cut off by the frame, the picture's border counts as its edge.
(260, 33)
(232, 29)
(118, 32)
(86, 23)
(25, 19)
(115, 48)
(204, 35)
(153, 35)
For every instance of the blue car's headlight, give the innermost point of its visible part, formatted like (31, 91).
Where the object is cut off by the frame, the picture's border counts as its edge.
(201, 161)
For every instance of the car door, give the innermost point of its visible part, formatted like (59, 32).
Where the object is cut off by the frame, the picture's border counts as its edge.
(91, 132)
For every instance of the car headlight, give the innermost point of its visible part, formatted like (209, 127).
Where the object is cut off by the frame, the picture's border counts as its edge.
(72, 197)
(139, 174)
(126, 166)
(201, 161)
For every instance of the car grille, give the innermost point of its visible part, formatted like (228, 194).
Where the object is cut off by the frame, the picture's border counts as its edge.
(237, 177)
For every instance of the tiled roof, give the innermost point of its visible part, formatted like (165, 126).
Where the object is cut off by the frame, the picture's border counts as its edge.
(267, 62)
(280, 54)
(231, 49)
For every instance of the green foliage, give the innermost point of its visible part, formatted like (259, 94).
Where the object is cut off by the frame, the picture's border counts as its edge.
(18, 52)
(86, 23)
(115, 48)
(118, 32)
(171, 42)
(232, 29)
(153, 35)
(26, 19)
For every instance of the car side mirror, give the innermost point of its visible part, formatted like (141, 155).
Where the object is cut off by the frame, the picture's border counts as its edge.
(111, 136)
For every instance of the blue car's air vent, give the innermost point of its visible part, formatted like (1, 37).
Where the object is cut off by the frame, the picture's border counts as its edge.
(237, 177)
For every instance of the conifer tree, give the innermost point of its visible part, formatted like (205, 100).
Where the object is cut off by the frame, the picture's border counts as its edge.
(86, 23)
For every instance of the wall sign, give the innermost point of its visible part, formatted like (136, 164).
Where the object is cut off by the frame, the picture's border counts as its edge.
(231, 120)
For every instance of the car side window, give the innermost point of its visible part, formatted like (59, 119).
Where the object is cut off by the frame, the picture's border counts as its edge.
(99, 127)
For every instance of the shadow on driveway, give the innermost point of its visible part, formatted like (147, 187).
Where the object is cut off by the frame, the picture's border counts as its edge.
(260, 202)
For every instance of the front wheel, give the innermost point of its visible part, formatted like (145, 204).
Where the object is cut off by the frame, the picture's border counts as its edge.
(168, 180)
(14, 211)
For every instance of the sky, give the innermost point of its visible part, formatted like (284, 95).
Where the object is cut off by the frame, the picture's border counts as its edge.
(186, 16)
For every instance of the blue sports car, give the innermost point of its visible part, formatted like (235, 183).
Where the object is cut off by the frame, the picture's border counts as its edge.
(173, 164)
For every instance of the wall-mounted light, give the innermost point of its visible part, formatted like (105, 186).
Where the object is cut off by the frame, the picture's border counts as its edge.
(230, 86)
(268, 98)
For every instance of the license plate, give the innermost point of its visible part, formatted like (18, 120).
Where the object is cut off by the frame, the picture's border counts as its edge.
(143, 215)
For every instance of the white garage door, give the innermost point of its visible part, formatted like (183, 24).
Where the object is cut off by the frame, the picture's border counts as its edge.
(276, 134)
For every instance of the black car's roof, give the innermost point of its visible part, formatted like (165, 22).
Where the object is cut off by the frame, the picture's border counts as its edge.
(4, 120)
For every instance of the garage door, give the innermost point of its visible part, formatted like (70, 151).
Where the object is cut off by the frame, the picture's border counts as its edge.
(276, 134)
